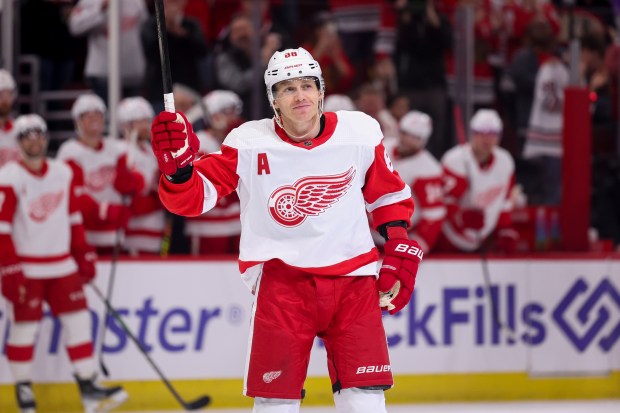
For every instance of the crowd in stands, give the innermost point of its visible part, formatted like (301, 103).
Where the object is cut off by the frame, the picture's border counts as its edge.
(391, 59)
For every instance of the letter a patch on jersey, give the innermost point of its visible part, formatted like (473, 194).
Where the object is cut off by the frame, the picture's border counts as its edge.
(263, 164)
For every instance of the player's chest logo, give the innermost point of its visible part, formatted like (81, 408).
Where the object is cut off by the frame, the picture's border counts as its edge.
(290, 205)
(45, 205)
(99, 179)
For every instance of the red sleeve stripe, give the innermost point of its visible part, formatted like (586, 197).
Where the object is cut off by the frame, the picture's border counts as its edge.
(210, 193)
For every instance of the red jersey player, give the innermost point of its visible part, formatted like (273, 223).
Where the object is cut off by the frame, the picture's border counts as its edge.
(44, 257)
(305, 180)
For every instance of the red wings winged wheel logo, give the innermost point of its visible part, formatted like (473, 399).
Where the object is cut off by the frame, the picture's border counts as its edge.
(290, 205)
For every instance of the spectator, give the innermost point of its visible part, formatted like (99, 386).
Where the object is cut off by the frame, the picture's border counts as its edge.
(90, 18)
(233, 65)
(326, 47)
(95, 161)
(423, 36)
(9, 150)
(57, 49)
(543, 147)
(478, 180)
(423, 173)
(217, 231)
(186, 47)
(137, 179)
(44, 257)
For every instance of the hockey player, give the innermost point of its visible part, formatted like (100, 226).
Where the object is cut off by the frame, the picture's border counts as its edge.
(305, 180)
(95, 161)
(217, 231)
(9, 151)
(423, 173)
(137, 178)
(478, 181)
(44, 257)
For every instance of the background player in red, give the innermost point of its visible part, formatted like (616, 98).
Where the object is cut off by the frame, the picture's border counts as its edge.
(478, 181)
(305, 180)
(44, 257)
(419, 168)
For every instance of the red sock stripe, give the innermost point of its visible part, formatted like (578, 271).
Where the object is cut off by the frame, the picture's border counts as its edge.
(80, 351)
(19, 353)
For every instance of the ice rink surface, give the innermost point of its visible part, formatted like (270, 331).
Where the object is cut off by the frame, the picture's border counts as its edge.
(599, 406)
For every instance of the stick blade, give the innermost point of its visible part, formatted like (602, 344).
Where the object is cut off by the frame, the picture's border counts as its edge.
(198, 403)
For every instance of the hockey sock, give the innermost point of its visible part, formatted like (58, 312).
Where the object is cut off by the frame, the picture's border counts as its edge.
(20, 350)
(263, 405)
(78, 341)
(360, 401)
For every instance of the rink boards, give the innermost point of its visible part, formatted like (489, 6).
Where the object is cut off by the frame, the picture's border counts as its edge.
(560, 334)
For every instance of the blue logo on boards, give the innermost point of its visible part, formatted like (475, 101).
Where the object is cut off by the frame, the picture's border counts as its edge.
(593, 313)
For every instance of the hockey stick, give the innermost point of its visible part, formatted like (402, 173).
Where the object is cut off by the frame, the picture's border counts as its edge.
(484, 263)
(133, 137)
(191, 405)
(166, 76)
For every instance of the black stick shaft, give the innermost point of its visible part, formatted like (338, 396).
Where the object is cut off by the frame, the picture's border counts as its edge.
(166, 74)
(199, 403)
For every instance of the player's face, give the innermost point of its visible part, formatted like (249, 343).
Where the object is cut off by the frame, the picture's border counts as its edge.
(297, 99)
(92, 123)
(409, 143)
(143, 127)
(483, 143)
(7, 97)
(33, 144)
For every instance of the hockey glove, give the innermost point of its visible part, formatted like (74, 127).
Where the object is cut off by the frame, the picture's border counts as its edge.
(174, 142)
(86, 265)
(472, 218)
(128, 181)
(13, 282)
(398, 272)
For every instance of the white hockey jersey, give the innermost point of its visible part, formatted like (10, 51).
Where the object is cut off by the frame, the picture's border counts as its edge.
(423, 173)
(302, 203)
(468, 185)
(98, 167)
(37, 212)
(544, 134)
(9, 149)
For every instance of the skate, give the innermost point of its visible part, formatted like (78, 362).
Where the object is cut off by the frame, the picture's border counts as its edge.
(98, 399)
(25, 397)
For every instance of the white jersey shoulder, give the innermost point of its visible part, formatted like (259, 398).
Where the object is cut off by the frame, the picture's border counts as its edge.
(352, 128)
(455, 159)
(421, 165)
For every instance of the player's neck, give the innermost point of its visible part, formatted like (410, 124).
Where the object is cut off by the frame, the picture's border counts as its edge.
(34, 164)
(91, 141)
(302, 131)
